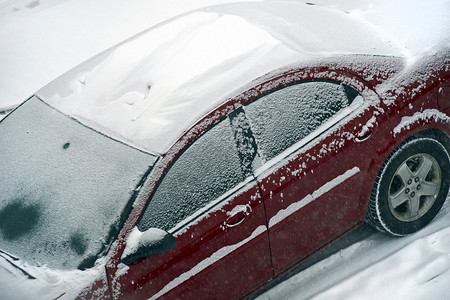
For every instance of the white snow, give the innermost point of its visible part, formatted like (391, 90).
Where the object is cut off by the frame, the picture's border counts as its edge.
(138, 91)
(149, 90)
(39, 40)
(418, 26)
(48, 283)
(138, 238)
(425, 115)
(132, 242)
(147, 85)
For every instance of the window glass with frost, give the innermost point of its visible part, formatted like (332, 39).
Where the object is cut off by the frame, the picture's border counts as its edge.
(64, 189)
(287, 115)
(206, 170)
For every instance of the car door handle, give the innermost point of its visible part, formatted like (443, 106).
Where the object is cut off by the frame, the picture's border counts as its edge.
(363, 136)
(235, 219)
(237, 215)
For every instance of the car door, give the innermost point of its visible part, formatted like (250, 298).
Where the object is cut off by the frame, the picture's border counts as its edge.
(214, 209)
(316, 140)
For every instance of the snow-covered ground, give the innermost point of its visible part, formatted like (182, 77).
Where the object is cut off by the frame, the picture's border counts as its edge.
(41, 39)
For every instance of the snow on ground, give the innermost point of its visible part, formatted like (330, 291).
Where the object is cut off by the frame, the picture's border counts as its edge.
(41, 39)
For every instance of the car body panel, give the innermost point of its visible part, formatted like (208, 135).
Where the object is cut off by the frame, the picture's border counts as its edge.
(444, 95)
(326, 190)
(298, 203)
(417, 100)
(225, 239)
(298, 224)
(287, 256)
(205, 254)
(286, 208)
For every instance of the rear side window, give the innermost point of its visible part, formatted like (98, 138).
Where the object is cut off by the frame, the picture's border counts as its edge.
(206, 170)
(287, 115)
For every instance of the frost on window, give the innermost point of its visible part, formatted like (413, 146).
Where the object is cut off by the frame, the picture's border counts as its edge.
(206, 170)
(285, 116)
(63, 187)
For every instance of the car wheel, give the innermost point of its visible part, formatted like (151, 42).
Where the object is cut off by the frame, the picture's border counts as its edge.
(411, 187)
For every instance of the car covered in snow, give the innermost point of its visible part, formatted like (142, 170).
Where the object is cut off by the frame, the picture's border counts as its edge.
(216, 151)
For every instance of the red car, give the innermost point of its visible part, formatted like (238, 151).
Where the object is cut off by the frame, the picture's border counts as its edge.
(191, 163)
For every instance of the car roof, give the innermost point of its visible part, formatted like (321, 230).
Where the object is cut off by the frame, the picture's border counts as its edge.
(150, 89)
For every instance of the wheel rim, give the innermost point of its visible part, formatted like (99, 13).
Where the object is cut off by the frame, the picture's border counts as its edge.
(414, 187)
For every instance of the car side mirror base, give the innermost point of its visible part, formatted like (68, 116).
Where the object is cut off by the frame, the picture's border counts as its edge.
(151, 242)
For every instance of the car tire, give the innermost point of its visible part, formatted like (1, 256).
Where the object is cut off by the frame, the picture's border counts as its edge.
(411, 187)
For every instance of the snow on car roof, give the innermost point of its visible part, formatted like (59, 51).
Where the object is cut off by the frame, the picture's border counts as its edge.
(149, 90)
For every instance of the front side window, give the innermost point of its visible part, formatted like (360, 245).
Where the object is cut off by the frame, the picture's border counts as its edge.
(206, 170)
(287, 115)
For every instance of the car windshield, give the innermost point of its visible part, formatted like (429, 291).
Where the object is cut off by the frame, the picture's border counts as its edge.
(64, 188)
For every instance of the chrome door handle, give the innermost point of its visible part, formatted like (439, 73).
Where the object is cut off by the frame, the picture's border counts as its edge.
(237, 215)
(235, 219)
(363, 136)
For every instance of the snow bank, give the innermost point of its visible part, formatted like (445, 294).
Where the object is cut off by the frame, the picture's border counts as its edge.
(420, 270)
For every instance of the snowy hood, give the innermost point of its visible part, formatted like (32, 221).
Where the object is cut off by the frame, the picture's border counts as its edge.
(147, 91)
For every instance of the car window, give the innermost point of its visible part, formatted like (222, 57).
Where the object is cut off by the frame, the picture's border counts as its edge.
(206, 170)
(287, 115)
(64, 188)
